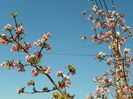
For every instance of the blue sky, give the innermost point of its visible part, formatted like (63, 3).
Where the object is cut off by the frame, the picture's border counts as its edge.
(64, 20)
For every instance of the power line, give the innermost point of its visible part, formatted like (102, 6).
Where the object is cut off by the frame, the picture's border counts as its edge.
(99, 8)
(101, 4)
(70, 54)
(75, 48)
(97, 4)
(112, 2)
(105, 5)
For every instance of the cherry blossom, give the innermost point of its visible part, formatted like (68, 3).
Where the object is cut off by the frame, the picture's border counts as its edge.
(47, 70)
(8, 27)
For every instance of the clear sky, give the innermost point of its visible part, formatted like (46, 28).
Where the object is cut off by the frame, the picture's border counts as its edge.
(64, 20)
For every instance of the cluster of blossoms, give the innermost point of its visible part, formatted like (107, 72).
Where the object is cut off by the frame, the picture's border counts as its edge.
(14, 36)
(42, 42)
(22, 90)
(112, 20)
(32, 84)
(8, 27)
(13, 64)
(110, 28)
(105, 83)
(36, 71)
(19, 48)
(100, 56)
(34, 58)
(125, 91)
(65, 82)
(101, 90)
(19, 28)
(4, 39)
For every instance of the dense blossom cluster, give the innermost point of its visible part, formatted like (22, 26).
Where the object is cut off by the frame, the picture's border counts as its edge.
(36, 71)
(34, 60)
(4, 40)
(19, 48)
(65, 82)
(110, 28)
(42, 41)
(14, 64)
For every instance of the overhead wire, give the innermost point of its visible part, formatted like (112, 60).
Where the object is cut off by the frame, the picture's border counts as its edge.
(97, 4)
(99, 8)
(113, 5)
(101, 4)
(71, 54)
(61, 51)
(105, 5)
(112, 2)
(75, 48)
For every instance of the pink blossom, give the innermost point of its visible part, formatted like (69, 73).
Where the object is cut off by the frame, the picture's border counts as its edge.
(8, 27)
(37, 43)
(62, 84)
(121, 42)
(108, 34)
(109, 61)
(15, 48)
(47, 70)
(21, 69)
(98, 89)
(100, 36)
(3, 41)
(35, 72)
(68, 82)
(102, 25)
(95, 8)
(49, 47)
(32, 82)
(46, 36)
(32, 59)
(19, 29)
(105, 39)
(26, 46)
(38, 54)
(3, 64)
(59, 73)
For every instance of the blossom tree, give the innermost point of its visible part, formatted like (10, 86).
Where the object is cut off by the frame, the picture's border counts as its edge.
(15, 37)
(110, 28)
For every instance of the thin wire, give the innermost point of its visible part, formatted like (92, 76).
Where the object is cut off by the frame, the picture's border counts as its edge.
(99, 8)
(101, 4)
(112, 2)
(74, 54)
(97, 4)
(70, 54)
(113, 5)
(102, 8)
(76, 48)
(105, 5)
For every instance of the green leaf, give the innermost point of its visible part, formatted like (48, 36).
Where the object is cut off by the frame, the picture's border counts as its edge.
(84, 12)
(14, 14)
